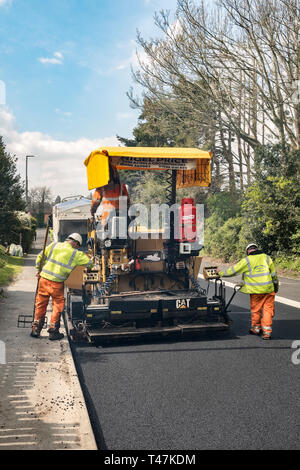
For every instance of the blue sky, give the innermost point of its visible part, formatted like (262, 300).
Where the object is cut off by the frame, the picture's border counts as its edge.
(95, 38)
(66, 67)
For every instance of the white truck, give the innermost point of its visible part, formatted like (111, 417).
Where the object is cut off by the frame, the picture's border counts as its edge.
(70, 216)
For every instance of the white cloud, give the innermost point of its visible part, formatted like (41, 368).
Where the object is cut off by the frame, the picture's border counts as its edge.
(57, 59)
(5, 2)
(133, 60)
(58, 55)
(175, 28)
(59, 163)
(127, 62)
(62, 113)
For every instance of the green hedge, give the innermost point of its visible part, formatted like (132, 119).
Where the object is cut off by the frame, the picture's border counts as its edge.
(224, 240)
(288, 263)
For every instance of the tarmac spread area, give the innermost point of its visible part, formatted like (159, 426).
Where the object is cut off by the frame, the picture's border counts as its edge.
(217, 392)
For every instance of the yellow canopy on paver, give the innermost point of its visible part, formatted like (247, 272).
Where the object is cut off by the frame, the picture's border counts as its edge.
(193, 165)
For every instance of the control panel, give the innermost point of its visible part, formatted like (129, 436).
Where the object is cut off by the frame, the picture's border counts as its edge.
(210, 272)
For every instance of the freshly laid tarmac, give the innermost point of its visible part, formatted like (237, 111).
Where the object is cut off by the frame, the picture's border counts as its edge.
(217, 391)
(41, 402)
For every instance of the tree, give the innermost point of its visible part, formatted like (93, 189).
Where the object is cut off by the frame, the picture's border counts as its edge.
(40, 201)
(150, 132)
(235, 68)
(158, 127)
(226, 78)
(25, 230)
(11, 195)
(272, 203)
(11, 186)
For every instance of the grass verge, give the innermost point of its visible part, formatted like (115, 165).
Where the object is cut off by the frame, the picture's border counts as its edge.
(289, 265)
(10, 266)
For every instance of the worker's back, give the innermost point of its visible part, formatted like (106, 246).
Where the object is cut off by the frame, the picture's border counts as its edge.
(258, 273)
(107, 199)
(60, 260)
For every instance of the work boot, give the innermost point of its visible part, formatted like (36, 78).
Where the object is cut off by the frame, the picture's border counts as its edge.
(37, 327)
(54, 334)
(255, 330)
(266, 335)
(267, 332)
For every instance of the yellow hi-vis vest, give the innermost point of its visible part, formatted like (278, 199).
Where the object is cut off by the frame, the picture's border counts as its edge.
(60, 260)
(258, 274)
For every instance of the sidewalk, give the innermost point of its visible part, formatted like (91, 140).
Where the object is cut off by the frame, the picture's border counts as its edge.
(41, 403)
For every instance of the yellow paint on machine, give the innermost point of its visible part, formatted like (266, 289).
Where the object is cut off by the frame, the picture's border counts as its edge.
(98, 164)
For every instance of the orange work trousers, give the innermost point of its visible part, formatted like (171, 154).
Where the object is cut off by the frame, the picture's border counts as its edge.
(262, 304)
(46, 290)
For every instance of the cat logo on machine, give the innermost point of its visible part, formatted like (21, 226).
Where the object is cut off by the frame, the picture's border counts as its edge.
(182, 303)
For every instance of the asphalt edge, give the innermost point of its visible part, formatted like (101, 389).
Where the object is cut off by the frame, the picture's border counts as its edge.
(91, 411)
(87, 435)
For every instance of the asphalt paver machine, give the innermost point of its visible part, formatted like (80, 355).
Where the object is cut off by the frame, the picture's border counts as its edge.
(145, 281)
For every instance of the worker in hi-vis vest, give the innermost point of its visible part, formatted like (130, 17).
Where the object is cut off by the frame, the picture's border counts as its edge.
(259, 279)
(108, 197)
(59, 261)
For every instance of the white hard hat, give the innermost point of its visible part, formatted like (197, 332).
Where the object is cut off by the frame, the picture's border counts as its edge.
(251, 245)
(76, 237)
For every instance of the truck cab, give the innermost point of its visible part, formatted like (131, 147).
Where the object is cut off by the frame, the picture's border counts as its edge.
(71, 216)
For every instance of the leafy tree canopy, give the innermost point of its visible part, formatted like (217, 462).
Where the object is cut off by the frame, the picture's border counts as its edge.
(11, 186)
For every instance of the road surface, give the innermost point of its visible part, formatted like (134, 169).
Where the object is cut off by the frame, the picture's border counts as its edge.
(217, 392)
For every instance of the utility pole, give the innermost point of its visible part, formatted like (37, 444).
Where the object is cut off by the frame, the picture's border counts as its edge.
(26, 181)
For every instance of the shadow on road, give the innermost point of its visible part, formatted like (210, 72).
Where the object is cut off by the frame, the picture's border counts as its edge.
(86, 357)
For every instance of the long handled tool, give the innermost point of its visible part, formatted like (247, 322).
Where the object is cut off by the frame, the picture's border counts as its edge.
(26, 320)
(236, 289)
(225, 312)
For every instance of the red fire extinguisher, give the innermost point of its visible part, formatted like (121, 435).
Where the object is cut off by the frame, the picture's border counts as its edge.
(187, 221)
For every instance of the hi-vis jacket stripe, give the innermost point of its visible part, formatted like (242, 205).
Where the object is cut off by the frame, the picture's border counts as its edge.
(258, 273)
(60, 260)
(112, 195)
